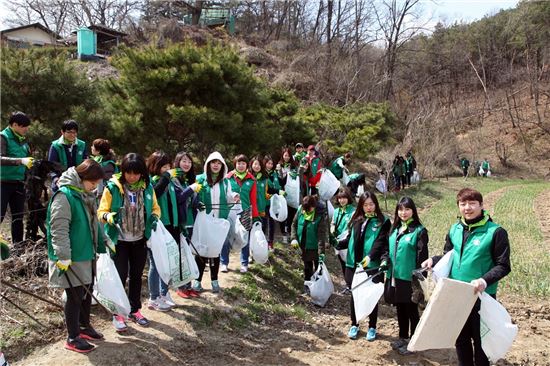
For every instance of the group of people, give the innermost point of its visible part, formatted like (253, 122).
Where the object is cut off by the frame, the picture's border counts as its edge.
(402, 170)
(483, 168)
(100, 206)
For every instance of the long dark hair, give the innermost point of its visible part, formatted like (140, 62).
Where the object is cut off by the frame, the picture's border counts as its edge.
(156, 161)
(134, 163)
(262, 166)
(220, 176)
(359, 214)
(404, 202)
(292, 162)
(190, 175)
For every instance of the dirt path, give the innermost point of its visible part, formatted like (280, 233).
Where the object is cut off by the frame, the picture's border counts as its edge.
(543, 213)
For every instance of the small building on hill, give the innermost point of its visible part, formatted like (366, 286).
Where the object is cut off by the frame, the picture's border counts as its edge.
(95, 41)
(31, 35)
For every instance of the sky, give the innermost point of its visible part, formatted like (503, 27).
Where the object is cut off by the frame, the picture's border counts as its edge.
(446, 11)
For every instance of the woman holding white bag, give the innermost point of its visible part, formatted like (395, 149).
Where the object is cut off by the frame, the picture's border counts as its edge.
(214, 193)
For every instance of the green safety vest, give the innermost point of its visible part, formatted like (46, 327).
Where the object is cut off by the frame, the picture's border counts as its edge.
(475, 259)
(261, 190)
(14, 149)
(80, 149)
(311, 227)
(403, 253)
(162, 200)
(372, 230)
(273, 181)
(118, 201)
(80, 231)
(341, 219)
(243, 189)
(205, 196)
(336, 169)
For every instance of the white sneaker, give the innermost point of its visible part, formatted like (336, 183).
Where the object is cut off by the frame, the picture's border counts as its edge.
(158, 304)
(168, 300)
(119, 323)
(224, 268)
(244, 269)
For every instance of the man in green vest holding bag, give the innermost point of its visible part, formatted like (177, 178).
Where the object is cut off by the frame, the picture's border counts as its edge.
(14, 160)
(67, 150)
(481, 256)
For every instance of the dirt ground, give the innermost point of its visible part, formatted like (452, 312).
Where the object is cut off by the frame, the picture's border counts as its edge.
(179, 337)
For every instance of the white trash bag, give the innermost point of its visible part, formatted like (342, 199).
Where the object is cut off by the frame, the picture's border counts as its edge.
(328, 185)
(330, 211)
(320, 286)
(415, 179)
(186, 248)
(365, 293)
(381, 185)
(240, 236)
(110, 291)
(209, 234)
(258, 244)
(443, 267)
(161, 244)
(277, 208)
(345, 178)
(496, 328)
(292, 189)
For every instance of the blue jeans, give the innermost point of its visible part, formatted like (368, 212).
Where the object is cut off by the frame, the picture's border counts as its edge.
(154, 280)
(224, 256)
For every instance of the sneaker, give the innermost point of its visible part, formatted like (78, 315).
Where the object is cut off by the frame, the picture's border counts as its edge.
(215, 286)
(79, 345)
(158, 304)
(168, 300)
(90, 334)
(371, 334)
(139, 319)
(270, 246)
(244, 269)
(223, 268)
(345, 291)
(353, 332)
(3, 361)
(403, 351)
(120, 323)
(197, 286)
(399, 343)
(194, 293)
(285, 239)
(184, 293)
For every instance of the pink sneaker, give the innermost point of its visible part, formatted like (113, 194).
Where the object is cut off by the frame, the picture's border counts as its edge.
(139, 319)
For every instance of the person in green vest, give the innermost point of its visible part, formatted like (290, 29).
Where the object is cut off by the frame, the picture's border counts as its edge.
(257, 169)
(15, 159)
(74, 239)
(67, 150)
(368, 241)
(310, 234)
(273, 187)
(300, 152)
(408, 248)
(464, 164)
(287, 167)
(313, 170)
(217, 198)
(481, 256)
(244, 187)
(102, 153)
(410, 167)
(338, 166)
(129, 211)
(162, 175)
(486, 168)
(339, 231)
(186, 212)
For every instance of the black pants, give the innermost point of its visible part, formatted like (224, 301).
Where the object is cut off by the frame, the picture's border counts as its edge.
(77, 309)
(408, 177)
(286, 226)
(373, 316)
(214, 264)
(468, 337)
(13, 194)
(130, 260)
(309, 269)
(268, 226)
(407, 313)
(343, 265)
(464, 172)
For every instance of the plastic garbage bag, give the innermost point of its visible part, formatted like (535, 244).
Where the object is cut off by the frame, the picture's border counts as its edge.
(278, 209)
(162, 245)
(381, 185)
(292, 189)
(328, 185)
(209, 234)
(186, 248)
(110, 291)
(258, 244)
(345, 178)
(320, 286)
(330, 211)
(443, 267)
(365, 293)
(496, 328)
(415, 179)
